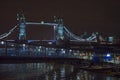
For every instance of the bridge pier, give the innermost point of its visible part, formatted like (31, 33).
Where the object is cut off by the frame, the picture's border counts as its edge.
(22, 26)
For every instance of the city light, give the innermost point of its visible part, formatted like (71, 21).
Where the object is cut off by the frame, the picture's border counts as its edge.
(39, 49)
(24, 45)
(108, 55)
(2, 42)
(42, 22)
(40, 46)
(70, 50)
(12, 45)
(49, 42)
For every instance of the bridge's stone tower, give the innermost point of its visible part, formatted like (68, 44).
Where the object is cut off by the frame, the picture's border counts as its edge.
(22, 26)
(60, 34)
(60, 28)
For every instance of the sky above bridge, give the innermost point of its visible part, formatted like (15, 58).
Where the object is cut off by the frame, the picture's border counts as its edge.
(79, 16)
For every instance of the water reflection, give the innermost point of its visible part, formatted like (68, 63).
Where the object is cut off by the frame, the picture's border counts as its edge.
(47, 71)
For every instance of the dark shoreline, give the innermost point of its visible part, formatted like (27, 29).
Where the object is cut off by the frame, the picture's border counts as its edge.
(15, 59)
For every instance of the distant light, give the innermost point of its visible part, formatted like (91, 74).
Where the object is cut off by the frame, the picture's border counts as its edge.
(24, 45)
(42, 22)
(49, 42)
(63, 51)
(54, 27)
(70, 50)
(39, 50)
(108, 55)
(40, 46)
(110, 39)
(2, 42)
(12, 45)
(117, 58)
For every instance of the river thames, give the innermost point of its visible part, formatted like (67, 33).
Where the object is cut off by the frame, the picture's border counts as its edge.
(48, 71)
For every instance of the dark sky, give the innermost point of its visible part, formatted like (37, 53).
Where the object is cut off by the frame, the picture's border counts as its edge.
(79, 15)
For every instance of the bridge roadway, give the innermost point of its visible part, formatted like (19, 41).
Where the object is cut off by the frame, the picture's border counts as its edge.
(75, 45)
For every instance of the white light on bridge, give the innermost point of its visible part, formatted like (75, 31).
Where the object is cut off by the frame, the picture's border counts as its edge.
(62, 49)
(24, 45)
(40, 46)
(12, 45)
(49, 42)
(39, 50)
(2, 42)
(42, 22)
(70, 50)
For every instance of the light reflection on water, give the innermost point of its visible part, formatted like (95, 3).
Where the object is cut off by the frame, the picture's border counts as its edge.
(47, 71)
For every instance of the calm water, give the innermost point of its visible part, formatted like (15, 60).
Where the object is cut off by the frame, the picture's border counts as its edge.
(47, 71)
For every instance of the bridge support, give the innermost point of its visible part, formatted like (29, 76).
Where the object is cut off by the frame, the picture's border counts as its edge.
(60, 32)
(22, 31)
(60, 35)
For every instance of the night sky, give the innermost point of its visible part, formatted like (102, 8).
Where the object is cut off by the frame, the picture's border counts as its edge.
(79, 16)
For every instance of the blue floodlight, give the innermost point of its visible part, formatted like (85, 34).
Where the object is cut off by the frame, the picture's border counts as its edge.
(108, 55)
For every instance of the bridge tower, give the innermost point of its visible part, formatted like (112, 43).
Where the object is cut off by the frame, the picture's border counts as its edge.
(60, 34)
(60, 28)
(22, 26)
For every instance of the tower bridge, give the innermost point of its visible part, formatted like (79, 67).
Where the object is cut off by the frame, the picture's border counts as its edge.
(60, 30)
(62, 36)
(64, 44)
